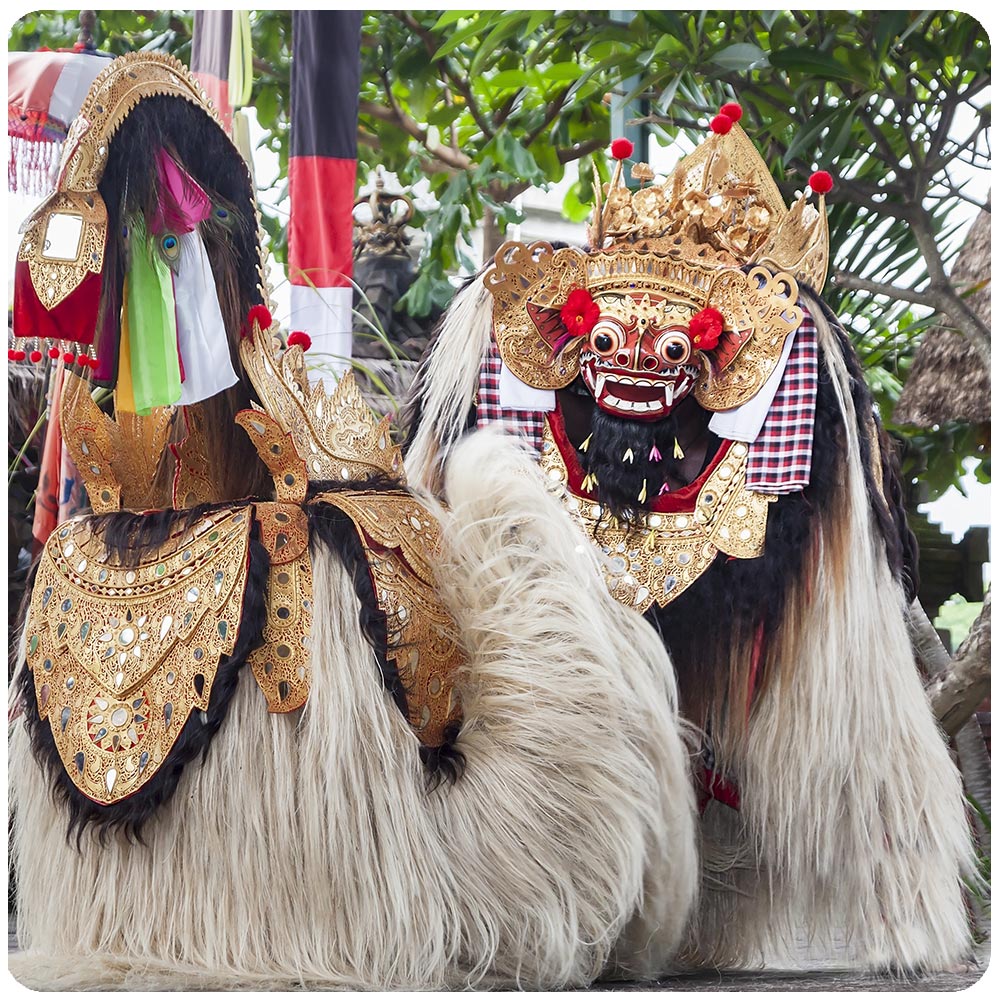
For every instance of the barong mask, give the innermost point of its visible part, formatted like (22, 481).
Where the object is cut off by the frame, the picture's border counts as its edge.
(689, 285)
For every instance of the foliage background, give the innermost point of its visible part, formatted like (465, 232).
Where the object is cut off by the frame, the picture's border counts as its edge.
(484, 104)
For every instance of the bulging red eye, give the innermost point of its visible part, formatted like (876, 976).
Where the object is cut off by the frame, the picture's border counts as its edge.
(675, 347)
(606, 337)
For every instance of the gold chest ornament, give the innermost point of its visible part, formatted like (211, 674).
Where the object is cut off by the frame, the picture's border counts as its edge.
(656, 556)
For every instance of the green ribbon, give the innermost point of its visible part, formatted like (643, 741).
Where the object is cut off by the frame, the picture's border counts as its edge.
(152, 320)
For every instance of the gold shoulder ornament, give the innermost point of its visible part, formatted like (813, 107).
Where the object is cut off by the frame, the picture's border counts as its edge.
(122, 655)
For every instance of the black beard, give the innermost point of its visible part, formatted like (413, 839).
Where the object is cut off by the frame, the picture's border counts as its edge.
(620, 481)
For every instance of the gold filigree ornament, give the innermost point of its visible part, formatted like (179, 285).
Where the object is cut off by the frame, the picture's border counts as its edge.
(655, 557)
(402, 539)
(122, 655)
(685, 243)
(336, 435)
(65, 237)
(118, 459)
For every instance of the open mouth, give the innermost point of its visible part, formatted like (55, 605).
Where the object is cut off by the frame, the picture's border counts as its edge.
(629, 394)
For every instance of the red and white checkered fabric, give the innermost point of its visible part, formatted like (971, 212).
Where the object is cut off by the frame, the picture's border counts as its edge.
(781, 458)
(529, 424)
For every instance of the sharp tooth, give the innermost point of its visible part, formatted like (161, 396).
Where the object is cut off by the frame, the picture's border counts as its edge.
(668, 394)
(601, 377)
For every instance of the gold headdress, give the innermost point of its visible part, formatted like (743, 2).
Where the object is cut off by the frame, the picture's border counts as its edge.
(64, 239)
(715, 234)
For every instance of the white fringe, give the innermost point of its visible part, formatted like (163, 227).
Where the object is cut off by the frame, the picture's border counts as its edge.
(450, 378)
(306, 850)
(853, 808)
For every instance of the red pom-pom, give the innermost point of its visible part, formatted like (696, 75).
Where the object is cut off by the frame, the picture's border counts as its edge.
(93, 363)
(821, 182)
(69, 357)
(621, 149)
(260, 315)
(579, 313)
(706, 328)
(82, 359)
(35, 356)
(13, 355)
(53, 353)
(721, 124)
(300, 338)
(732, 111)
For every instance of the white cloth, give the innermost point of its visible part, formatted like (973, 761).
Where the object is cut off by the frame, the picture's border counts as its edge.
(518, 395)
(201, 331)
(743, 423)
(324, 314)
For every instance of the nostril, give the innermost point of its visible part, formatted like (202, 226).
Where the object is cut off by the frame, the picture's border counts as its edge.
(623, 358)
(650, 364)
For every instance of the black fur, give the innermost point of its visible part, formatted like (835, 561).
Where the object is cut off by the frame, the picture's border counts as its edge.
(128, 537)
(332, 529)
(620, 482)
(131, 814)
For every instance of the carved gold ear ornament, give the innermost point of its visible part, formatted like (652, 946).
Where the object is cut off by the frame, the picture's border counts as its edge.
(118, 459)
(336, 435)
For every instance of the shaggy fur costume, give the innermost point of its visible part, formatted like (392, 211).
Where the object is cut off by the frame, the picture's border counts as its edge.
(852, 828)
(306, 850)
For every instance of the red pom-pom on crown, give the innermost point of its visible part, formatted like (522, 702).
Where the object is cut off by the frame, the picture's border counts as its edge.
(821, 182)
(731, 110)
(721, 124)
(621, 149)
(705, 329)
(301, 339)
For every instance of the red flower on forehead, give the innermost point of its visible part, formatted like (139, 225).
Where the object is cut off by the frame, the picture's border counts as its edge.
(706, 328)
(580, 312)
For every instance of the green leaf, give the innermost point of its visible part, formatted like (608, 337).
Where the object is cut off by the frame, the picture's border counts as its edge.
(509, 79)
(562, 71)
(800, 59)
(740, 57)
(449, 17)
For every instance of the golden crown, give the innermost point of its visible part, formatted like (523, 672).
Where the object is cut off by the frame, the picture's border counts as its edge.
(715, 233)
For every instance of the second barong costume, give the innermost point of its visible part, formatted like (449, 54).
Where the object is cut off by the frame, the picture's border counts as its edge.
(704, 421)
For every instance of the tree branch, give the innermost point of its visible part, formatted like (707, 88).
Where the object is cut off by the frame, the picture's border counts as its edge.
(955, 694)
(394, 115)
(846, 280)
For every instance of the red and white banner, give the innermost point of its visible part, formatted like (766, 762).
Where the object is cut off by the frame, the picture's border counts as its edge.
(326, 69)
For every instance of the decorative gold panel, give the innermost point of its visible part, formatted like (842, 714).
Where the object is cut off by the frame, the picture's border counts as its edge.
(656, 557)
(281, 665)
(121, 656)
(401, 539)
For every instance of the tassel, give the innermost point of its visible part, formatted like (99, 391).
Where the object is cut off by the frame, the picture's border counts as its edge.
(678, 450)
(654, 454)
(589, 482)
(628, 456)
(650, 543)
(586, 444)
(642, 492)
(664, 488)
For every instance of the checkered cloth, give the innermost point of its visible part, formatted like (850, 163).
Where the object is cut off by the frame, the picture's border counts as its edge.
(781, 457)
(530, 424)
